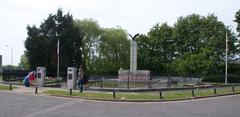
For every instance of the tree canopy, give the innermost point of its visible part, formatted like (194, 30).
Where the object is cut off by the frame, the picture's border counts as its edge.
(237, 20)
(105, 50)
(41, 43)
(193, 46)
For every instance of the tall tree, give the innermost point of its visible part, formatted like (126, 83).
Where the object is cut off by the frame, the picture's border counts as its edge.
(24, 62)
(105, 50)
(156, 50)
(91, 32)
(237, 20)
(36, 46)
(194, 45)
(41, 43)
(196, 35)
(114, 50)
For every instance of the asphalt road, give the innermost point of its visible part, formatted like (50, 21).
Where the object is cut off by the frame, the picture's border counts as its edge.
(24, 105)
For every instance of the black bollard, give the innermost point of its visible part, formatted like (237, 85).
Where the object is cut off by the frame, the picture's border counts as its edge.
(160, 94)
(233, 90)
(36, 89)
(101, 83)
(128, 83)
(193, 93)
(215, 91)
(149, 84)
(114, 94)
(70, 91)
(81, 87)
(10, 87)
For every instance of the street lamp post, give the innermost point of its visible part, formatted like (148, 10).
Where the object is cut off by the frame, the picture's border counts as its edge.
(58, 62)
(226, 60)
(11, 53)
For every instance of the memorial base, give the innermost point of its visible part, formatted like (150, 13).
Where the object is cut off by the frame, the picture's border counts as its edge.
(134, 75)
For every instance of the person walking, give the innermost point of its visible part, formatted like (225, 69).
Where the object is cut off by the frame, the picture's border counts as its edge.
(31, 77)
(80, 78)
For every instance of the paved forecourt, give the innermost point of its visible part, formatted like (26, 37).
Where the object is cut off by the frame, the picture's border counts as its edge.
(29, 105)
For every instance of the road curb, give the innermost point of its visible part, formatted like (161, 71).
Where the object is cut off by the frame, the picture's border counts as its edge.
(127, 100)
(157, 100)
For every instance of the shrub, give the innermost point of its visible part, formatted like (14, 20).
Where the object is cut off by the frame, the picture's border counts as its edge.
(232, 78)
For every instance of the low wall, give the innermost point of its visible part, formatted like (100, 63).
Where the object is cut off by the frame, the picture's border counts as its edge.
(134, 75)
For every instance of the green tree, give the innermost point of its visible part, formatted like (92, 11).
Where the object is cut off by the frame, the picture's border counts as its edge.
(196, 35)
(105, 50)
(114, 51)
(41, 43)
(194, 64)
(156, 50)
(144, 55)
(24, 62)
(195, 45)
(91, 32)
(36, 48)
(237, 20)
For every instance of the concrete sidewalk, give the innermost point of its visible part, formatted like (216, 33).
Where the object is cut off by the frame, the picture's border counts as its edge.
(32, 89)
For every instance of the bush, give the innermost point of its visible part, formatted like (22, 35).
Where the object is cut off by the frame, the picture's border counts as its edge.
(232, 78)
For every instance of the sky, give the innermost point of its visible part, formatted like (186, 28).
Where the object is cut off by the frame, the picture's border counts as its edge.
(135, 16)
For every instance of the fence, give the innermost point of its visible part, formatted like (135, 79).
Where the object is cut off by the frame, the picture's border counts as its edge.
(164, 93)
(13, 75)
(180, 93)
(154, 82)
(16, 75)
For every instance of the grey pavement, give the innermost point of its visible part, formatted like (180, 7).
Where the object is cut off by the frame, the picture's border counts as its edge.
(31, 90)
(14, 104)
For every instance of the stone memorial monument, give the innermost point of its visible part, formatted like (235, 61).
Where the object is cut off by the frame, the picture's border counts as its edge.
(133, 73)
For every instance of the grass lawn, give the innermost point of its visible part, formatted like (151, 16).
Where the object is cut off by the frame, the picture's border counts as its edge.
(6, 87)
(210, 92)
(76, 93)
(120, 95)
(167, 95)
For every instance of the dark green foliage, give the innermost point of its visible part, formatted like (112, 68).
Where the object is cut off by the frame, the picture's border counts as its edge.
(156, 50)
(233, 68)
(233, 74)
(232, 78)
(237, 20)
(41, 43)
(202, 44)
(194, 46)
(213, 78)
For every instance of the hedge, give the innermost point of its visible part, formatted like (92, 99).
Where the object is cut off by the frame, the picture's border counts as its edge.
(232, 78)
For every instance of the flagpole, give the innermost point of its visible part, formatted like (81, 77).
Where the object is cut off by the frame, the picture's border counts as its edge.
(226, 58)
(58, 62)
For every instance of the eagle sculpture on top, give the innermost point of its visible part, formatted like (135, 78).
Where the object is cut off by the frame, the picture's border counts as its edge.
(133, 37)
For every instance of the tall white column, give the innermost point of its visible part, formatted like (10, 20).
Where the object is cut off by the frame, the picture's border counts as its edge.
(133, 56)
